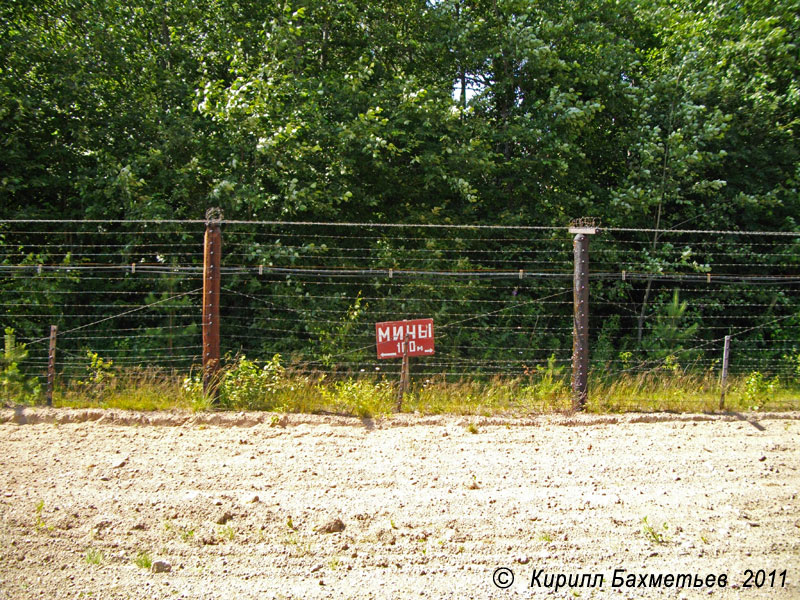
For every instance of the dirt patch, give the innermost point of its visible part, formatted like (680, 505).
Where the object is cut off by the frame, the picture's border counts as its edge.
(112, 504)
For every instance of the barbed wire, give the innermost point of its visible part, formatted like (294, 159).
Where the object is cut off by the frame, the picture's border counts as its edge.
(284, 292)
(124, 313)
(368, 224)
(721, 278)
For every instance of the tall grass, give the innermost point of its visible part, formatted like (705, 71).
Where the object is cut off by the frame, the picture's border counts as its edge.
(132, 389)
(495, 396)
(257, 386)
(681, 392)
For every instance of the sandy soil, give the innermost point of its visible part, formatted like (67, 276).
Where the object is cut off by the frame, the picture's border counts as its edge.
(257, 506)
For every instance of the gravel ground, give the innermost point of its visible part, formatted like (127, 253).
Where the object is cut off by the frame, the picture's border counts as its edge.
(94, 503)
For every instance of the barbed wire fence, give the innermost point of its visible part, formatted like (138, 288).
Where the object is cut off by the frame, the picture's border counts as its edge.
(501, 297)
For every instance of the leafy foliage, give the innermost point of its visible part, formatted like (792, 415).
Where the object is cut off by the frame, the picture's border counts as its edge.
(671, 334)
(758, 389)
(245, 384)
(13, 383)
(457, 109)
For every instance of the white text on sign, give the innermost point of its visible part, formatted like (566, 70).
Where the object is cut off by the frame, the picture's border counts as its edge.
(391, 335)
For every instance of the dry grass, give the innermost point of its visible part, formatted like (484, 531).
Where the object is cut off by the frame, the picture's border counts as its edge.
(151, 389)
(678, 392)
(135, 389)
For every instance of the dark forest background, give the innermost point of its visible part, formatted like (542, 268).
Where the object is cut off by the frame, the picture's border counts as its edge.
(512, 112)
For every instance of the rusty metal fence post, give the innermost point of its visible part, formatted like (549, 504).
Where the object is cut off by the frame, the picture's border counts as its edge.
(582, 229)
(405, 376)
(726, 352)
(51, 364)
(212, 255)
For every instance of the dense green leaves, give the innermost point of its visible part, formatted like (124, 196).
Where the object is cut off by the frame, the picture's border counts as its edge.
(465, 110)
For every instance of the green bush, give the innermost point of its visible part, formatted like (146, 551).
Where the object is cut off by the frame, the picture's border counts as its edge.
(15, 386)
(244, 385)
(100, 376)
(758, 389)
(249, 385)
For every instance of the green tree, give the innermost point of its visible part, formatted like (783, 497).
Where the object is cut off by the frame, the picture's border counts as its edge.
(672, 331)
(15, 386)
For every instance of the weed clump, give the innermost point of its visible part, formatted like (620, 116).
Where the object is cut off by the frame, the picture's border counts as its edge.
(143, 560)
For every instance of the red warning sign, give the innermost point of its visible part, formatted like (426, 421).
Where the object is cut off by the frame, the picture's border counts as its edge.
(390, 337)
